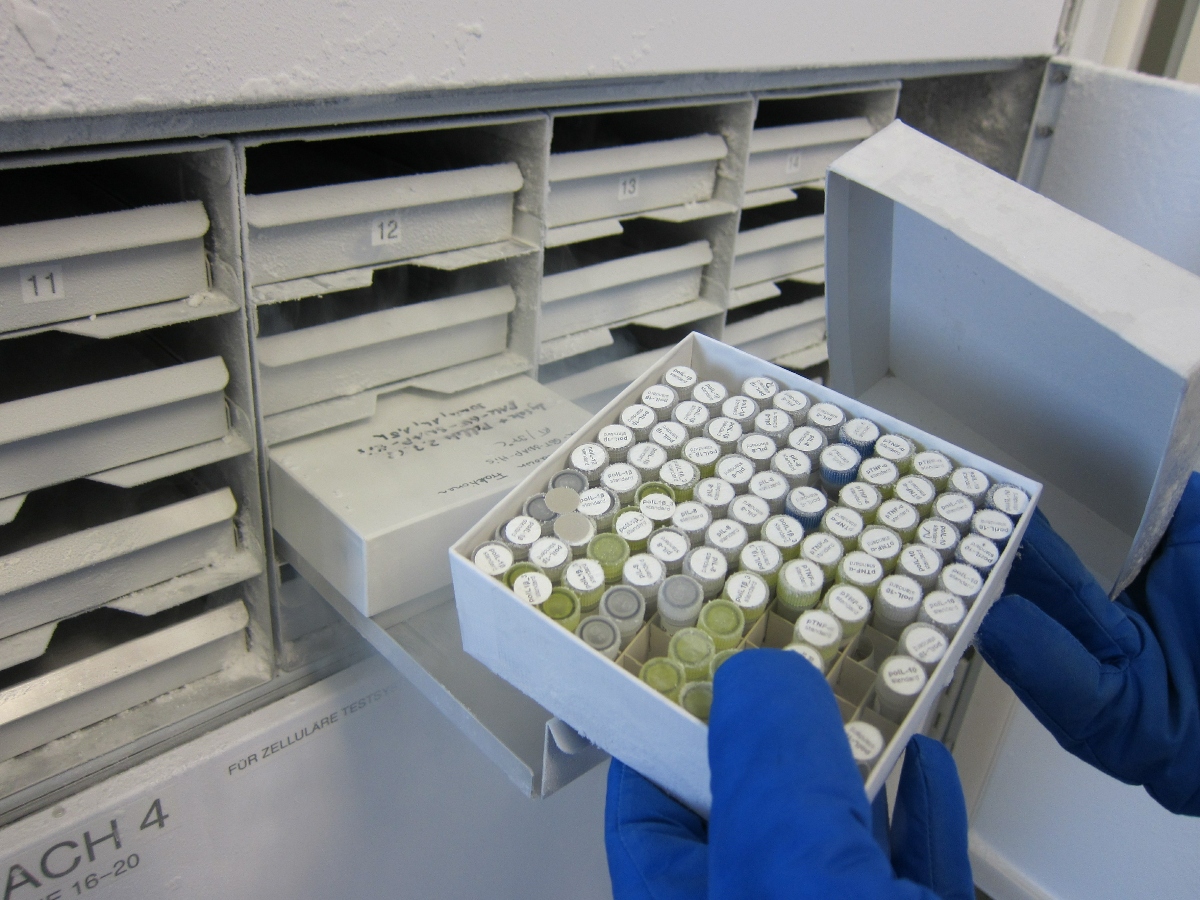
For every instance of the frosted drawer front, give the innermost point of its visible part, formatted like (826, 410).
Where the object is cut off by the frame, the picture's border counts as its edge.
(346, 357)
(623, 181)
(80, 571)
(791, 154)
(776, 251)
(781, 331)
(622, 289)
(72, 268)
(344, 226)
(56, 437)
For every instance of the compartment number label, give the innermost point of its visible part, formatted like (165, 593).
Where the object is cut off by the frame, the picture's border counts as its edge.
(795, 160)
(627, 187)
(385, 230)
(42, 283)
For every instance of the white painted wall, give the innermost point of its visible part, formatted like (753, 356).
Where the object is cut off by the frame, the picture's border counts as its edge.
(71, 57)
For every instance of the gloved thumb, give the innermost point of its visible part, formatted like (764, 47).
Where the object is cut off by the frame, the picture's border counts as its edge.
(929, 823)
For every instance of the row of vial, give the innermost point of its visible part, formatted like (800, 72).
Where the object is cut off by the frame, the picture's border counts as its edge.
(703, 507)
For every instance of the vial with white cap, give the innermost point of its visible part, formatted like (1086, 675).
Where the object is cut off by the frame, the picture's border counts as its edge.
(611, 551)
(943, 611)
(921, 564)
(586, 579)
(589, 460)
(809, 441)
(771, 487)
(532, 587)
(785, 533)
(728, 538)
(896, 449)
(899, 516)
(827, 419)
(759, 449)
(680, 379)
(692, 416)
(679, 600)
(519, 533)
(661, 399)
(806, 505)
(692, 518)
(664, 675)
(971, 483)
(647, 458)
(723, 621)
(794, 403)
(775, 424)
(866, 745)
(810, 653)
(601, 634)
(696, 697)
(537, 508)
(669, 546)
(737, 470)
(763, 559)
(825, 550)
(839, 466)
(750, 593)
(703, 453)
(799, 587)
(843, 524)
(939, 536)
(693, 649)
(993, 525)
(820, 630)
(881, 474)
(681, 477)
(725, 432)
(657, 506)
(712, 394)
(520, 568)
(708, 568)
(636, 528)
(576, 530)
(567, 478)
(494, 558)
(935, 466)
(861, 570)
(616, 440)
(883, 544)
(794, 466)
(1008, 499)
(924, 643)
(715, 494)
(741, 409)
(861, 434)
(862, 498)
(897, 603)
(563, 607)
(760, 388)
(954, 508)
(623, 480)
(639, 419)
(751, 511)
(917, 491)
(627, 608)
(600, 505)
(552, 555)
(977, 552)
(671, 436)
(961, 581)
(645, 574)
(897, 685)
(850, 606)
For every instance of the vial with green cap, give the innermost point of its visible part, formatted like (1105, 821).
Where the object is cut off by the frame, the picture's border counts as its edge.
(519, 533)
(772, 488)
(537, 508)
(717, 660)
(681, 477)
(934, 466)
(662, 399)
(532, 587)
(899, 516)
(551, 555)
(693, 649)
(750, 593)
(943, 611)
(724, 622)
(627, 608)
(800, 586)
(712, 394)
(898, 683)
(741, 409)
(679, 600)
(601, 634)
(752, 512)
(993, 525)
(861, 570)
(692, 518)
(728, 538)
(939, 536)
(794, 403)
(656, 506)
(494, 558)
(586, 579)
(764, 560)
(897, 602)
(785, 533)
(669, 546)
(866, 745)
(600, 505)
(896, 449)
(883, 544)
(954, 508)
(518, 569)
(563, 607)
(639, 419)
(736, 470)
(921, 564)
(692, 416)
(825, 550)
(850, 606)
(924, 643)
(664, 675)
(724, 432)
(774, 424)
(635, 528)
(696, 697)
(917, 491)
(759, 449)
(715, 494)
(611, 551)
(575, 530)
(644, 574)
(680, 379)
(567, 478)
(862, 498)
(623, 480)
(806, 505)
(589, 460)
(708, 568)
(971, 483)
(977, 552)
(961, 581)
(703, 453)
(760, 388)
(880, 474)
(820, 630)
(827, 419)
(793, 465)
(671, 436)
(861, 434)
(647, 458)
(616, 440)
(810, 653)
(809, 441)
(845, 525)
(1008, 499)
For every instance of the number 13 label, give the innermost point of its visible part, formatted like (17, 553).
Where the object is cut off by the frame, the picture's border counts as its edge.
(627, 187)
(385, 230)
(42, 283)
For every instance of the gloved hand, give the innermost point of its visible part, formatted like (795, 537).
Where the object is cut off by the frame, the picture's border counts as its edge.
(1115, 683)
(789, 815)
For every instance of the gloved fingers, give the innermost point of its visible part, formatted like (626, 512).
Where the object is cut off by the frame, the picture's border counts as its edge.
(1048, 573)
(929, 822)
(657, 848)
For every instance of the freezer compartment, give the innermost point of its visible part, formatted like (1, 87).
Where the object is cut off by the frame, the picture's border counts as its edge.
(333, 201)
(787, 334)
(780, 240)
(106, 662)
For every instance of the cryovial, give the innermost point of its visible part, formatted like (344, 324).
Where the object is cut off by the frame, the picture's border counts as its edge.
(838, 466)
(956, 509)
(563, 607)
(696, 698)
(785, 533)
(883, 544)
(812, 654)
(644, 574)
(664, 675)
(669, 546)
(861, 497)
(794, 466)
(662, 399)
(825, 550)
(896, 449)
(939, 536)
(639, 419)
(716, 494)
(647, 458)
(897, 603)
(897, 685)
(827, 419)
(737, 470)
(536, 507)
(680, 379)
(751, 511)
(1008, 499)
(601, 634)
(775, 424)
(741, 409)
(917, 491)
(764, 560)
(551, 555)
(809, 441)
(616, 441)
(494, 558)
(611, 551)
(794, 403)
(977, 552)
(623, 480)
(759, 449)
(589, 460)
(799, 587)
(681, 477)
(656, 502)
(712, 394)
(586, 579)
(880, 474)
(921, 564)
(532, 587)
(728, 538)
(760, 388)
(993, 525)
(820, 630)
(934, 466)
(924, 643)
(671, 436)
(576, 530)
(845, 525)
(750, 593)
(861, 570)
(703, 453)
(636, 528)
(866, 745)
(600, 505)
(861, 434)
(626, 607)
(725, 432)
(961, 581)
(693, 649)
(679, 601)
(772, 488)
(806, 505)
(971, 483)
(567, 478)
(519, 533)
(850, 606)
(692, 518)
(943, 611)
(899, 516)
(708, 568)
(723, 621)
(692, 416)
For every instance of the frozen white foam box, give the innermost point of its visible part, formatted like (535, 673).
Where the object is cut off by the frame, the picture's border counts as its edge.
(604, 700)
(967, 303)
(371, 507)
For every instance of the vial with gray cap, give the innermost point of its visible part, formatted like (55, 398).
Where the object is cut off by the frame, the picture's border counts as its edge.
(715, 494)
(924, 643)
(494, 558)
(896, 449)
(681, 477)
(1008, 499)
(939, 536)
(993, 525)
(883, 544)
(671, 436)
(759, 449)
(616, 441)
(669, 546)
(764, 560)
(692, 518)
(845, 525)
(567, 478)
(934, 466)
(971, 483)
(917, 491)
(519, 533)
(576, 530)
(537, 508)
(680, 379)
(639, 419)
(679, 600)
(752, 512)
(861, 570)
(600, 505)
(794, 466)
(661, 399)
(899, 516)
(785, 533)
(961, 581)
(692, 416)
(897, 685)
(750, 593)
(820, 630)
(586, 579)
(627, 608)
(921, 564)
(806, 505)
(589, 460)
(552, 555)
(703, 453)
(861, 434)
(799, 587)
(862, 498)
(825, 550)
(794, 403)
(708, 568)
(712, 394)
(601, 634)
(881, 474)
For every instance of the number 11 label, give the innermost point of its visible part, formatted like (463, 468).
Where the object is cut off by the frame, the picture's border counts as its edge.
(385, 230)
(42, 283)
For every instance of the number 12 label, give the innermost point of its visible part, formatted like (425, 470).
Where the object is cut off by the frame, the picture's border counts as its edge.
(42, 283)
(627, 187)
(385, 230)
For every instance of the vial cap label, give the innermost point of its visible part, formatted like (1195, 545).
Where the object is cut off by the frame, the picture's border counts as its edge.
(691, 516)
(715, 492)
(589, 457)
(669, 434)
(769, 485)
(726, 534)
(978, 551)
(596, 502)
(783, 531)
(707, 564)
(843, 523)
(937, 534)
(899, 515)
(992, 524)
(702, 451)
(807, 500)
(678, 473)
(791, 462)
(878, 471)
(915, 489)
(740, 409)
(969, 481)
(668, 546)
(826, 415)
(638, 417)
(635, 526)
(584, 576)
(760, 387)
(961, 580)
(893, 447)
(691, 414)
(859, 496)
(920, 560)
(821, 549)
(848, 603)
(802, 576)
(710, 392)
(648, 457)
(924, 644)
(944, 608)
(773, 421)
(879, 542)
(899, 592)
(749, 510)
(862, 430)
(621, 477)
(735, 469)
(866, 741)
(806, 439)
(818, 628)
(494, 559)
(862, 568)
(902, 675)
(839, 458)
(522, 530)
(956, 508)
(679, 377)
(760, 557)
(659, 396)
(791, 402)
(747, 590)
(657, 507)
(757, 446)
(643, 570)
(932, 464)
(615, 437)
(724, 431)
(532, 587)
(1008, 499)
(550, 553)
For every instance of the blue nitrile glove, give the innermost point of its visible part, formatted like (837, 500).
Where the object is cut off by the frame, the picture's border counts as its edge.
(1115, 683)
(789, 815)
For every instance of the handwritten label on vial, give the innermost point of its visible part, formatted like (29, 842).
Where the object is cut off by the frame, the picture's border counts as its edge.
(42, 283)
(747, 590)
(386, 230)
(937, 534)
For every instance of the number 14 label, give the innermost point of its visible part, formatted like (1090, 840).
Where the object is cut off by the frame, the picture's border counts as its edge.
(42, 283)
(385, 230)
